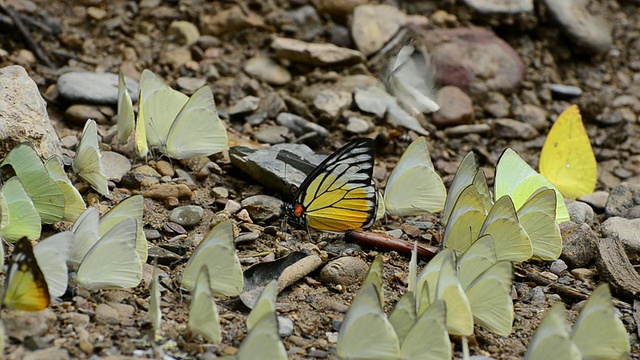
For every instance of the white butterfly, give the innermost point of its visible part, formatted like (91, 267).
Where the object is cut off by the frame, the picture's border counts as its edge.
(87, 164)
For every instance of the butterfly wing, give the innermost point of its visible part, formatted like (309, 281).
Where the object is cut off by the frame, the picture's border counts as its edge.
(403, 315)
(476, 260)
(414, 188)
(23, 217)
(52, 254)
(509, 237)
(203, 312)
(198, 117)
(514, 177)
(85, 236)
(465, 221)
(126, 118)
(428, 339)
(217, 250)
(552, 339)
(567, 158)
(448, 289)
(598, 332)
(411, 81)
(43, 191)
(130, 208)
(25, 287)
(112, 263)
(263, 341)
(537, 217)
(265, 304)
(490, 299)
(87, 164)
(73, 203)
(155, 314)
(339, 194)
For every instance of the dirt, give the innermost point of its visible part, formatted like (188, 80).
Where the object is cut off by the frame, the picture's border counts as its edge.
(134, 35)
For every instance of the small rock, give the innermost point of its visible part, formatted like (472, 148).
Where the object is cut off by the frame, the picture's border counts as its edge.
(623, 201)
(164, 256)
(339, 36)
(106, 315)
(588, 31)
(96, 13)
(244, 216)
(578, 244)
(581, 213)
(188, 216)
(301, 126)
(220, 192)
(176, 57)
(463, 130)
(315, 54)
(94, 88)
(77, 320)
(356, 125)
(345, 271)
(272, 134)
(536, 296)
(163, 191)
(331, 103)
(187, 177)
(548, 275)
(146, 170)
(263, 208)
(497, 105)
(628, 232)
(230, 20)
(285, 326)
(190, 84)
(500, 6)
(339, 8)
(396, 233)
(245, 105)
(583, 274)
(115, 165)
(307, 22)
(164, 168)
(78, 114)
(267, 70)
(456, 107)
(183, 33)
(513, 129)
(52, 353)
(372, 26)
(534, 116)
(597, 200)
(564, 91)
(558, 267)
(232, 207)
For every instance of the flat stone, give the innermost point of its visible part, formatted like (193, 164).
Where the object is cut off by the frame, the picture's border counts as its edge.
(500, 6)
(229, 20)
(597, 200)
(590, 32)
(23, 115)
(245, 105)
(628, 232)
(94, 88)
(272, 134)
(265, 69)
(463, 130)
(372, 26)
(115, 165)
(301, 126)
(331, 103)
(358, 125)
(187, 216)
(512, 129)
(78, 114)
(315, 54)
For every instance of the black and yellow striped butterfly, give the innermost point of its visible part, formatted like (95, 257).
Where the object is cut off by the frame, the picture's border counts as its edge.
(25, 287)
(339, 194)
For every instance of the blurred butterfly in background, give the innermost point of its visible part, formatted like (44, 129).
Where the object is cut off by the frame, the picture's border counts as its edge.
(339, 194)
(88, 164)
(414, 187)
(25, 287)
(567, 158)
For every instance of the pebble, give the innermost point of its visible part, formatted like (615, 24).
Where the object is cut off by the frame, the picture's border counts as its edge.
(146, 170)
(164, 256)
(339, 8)
(581, 213)
(51, 353)
(624, 201)
(183, 33)
(357, 125)
(78, 114)
(29, 122)
(188, 216)
(263, 208)
(176, 57)
(497, 105)
(106, 315)
(285, 326)
(190, 84)
(396, 233)
(232, 207)
(597, 200)
(331, 103)
(578, 244)
(307, 22)
(536, 296)
(628, 232)
(339, 36)
(243, 215)
(345, 271)
(315, 54)
(265, 69)
(372, 26)
(500, 6)
(583, 274)
(456, 107)
(220, 192)
(165, 168)
(564, 91)
(301, 126)
(96, 13)
(163, 191)
(534, 116)
(558, 267)
(272, 134)
(468, 58)
(93, 88)
(230, 20)
(463, 130)
(115, 165)
(512, 129)
(372, 99)
(590, 32)
(548, 275)
(245, 105)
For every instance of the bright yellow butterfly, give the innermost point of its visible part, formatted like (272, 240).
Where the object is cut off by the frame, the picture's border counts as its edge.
(567, 158)
(25, 287)
(339, 194)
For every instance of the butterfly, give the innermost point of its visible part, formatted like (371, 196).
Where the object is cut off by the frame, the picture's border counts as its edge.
(339, 194)
(52, 254)
(178, 126)
(125, 117)
(155, 314)
(567, 158)
(217, 251)
(87, 164)
(597, 334)
(129, 208)
(514, 177)
(23, 162)
(20, 218)
(25, 287)
(411, 80)
(414, 188)
(74, 204)
(203, 312)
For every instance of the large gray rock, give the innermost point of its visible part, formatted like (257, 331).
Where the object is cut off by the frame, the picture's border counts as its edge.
(23, 114)
(628, 232)
(590, 32)
(94, 88)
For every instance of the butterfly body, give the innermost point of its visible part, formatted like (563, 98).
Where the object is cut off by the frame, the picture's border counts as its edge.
(339, 194)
